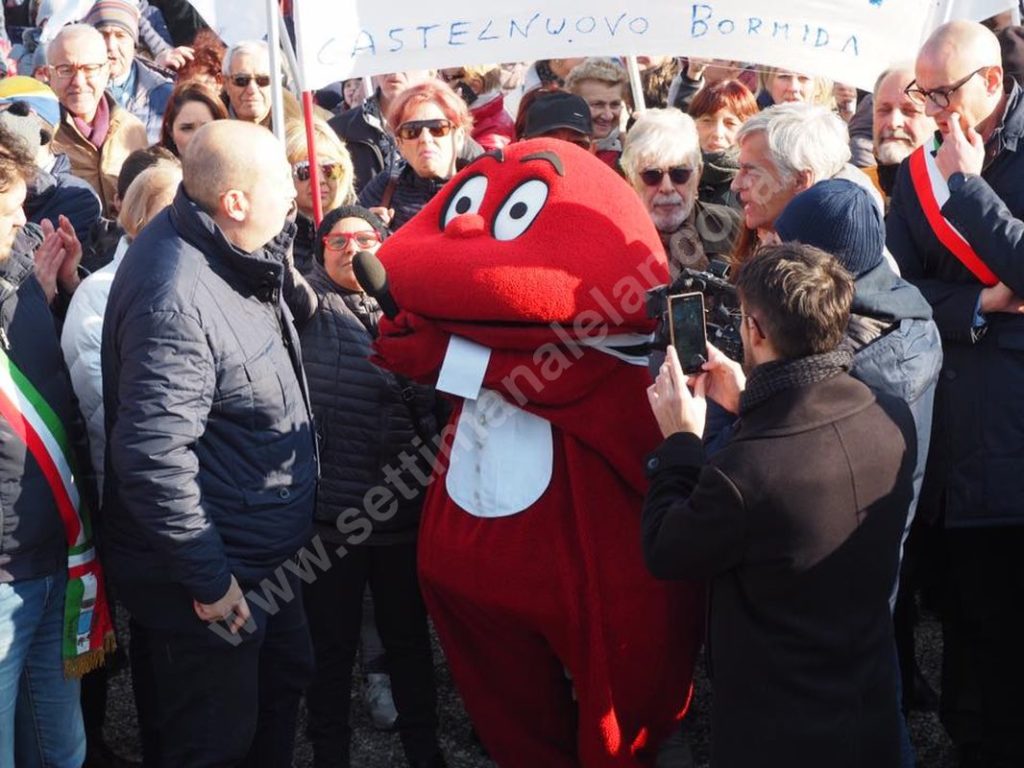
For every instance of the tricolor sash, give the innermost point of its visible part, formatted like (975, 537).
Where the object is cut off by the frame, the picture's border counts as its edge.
(933, 193)
(88, 633)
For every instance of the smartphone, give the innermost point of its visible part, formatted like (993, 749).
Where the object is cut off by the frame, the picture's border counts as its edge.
(688, 331)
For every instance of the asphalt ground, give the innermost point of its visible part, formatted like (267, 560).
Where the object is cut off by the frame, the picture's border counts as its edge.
(376, 749)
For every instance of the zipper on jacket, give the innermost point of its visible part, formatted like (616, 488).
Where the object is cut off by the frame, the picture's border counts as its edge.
(4, 341)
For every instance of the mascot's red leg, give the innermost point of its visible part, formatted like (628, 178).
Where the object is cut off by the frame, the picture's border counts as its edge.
(633, 651)
(628, 703)
(514, 688)
(519, 600)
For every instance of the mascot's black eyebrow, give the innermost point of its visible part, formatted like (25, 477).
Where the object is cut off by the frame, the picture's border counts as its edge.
(547, 156)
(550, 157)
(494, 154)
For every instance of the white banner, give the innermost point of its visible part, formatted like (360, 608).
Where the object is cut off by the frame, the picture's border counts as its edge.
(233, 20)
(850, 41)
(63, 12)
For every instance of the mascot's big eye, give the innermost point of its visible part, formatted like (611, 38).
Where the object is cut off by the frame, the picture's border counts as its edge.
(520, 209)
(467, 199)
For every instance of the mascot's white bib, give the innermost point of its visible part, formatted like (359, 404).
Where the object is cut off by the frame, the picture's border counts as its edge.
(501, 459)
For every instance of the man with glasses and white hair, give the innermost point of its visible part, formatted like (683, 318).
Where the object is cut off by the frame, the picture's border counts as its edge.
(247, 81)
(662, 160)
(784, 150)
(95, 132)
(955, 227)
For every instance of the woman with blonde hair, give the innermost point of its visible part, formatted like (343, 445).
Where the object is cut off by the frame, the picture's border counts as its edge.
(783, 85)
(336, 181)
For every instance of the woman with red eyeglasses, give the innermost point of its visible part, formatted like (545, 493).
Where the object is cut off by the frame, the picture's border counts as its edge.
(370, 424)
(336, 179)
(431, 124)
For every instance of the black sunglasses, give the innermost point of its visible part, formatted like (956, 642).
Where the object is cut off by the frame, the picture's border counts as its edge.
(242, 81)
(412, 129)
(677, 175)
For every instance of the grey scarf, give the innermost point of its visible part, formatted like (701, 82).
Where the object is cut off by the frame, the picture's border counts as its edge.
(771, 378)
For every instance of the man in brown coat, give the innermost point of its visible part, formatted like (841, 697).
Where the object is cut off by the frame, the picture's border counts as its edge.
(796, 522)
(95, 133)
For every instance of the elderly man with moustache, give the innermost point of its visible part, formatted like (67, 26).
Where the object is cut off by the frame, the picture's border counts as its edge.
(95, 132)
(211, 460)
(899, 125)
(663, 162)
(956, 227)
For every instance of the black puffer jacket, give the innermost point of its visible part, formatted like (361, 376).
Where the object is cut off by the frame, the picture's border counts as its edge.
(32, 542)
(369, 143)
(304, 245)
(411, 193)
(366, 418)
(60, 192)
(211, 460)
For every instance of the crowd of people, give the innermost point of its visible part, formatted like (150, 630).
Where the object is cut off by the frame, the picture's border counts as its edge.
(193, 400)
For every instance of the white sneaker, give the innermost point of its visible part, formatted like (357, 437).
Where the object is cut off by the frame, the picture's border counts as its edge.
(379, 703)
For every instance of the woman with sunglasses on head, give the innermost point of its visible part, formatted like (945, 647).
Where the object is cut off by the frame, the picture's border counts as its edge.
(190, 106)
(369, 423)
(431, 124)
(336, 178)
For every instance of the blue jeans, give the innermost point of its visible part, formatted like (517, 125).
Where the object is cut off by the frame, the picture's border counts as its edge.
(40, 717)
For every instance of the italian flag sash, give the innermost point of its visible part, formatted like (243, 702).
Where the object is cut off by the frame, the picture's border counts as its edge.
(88, 631)
(933, 193)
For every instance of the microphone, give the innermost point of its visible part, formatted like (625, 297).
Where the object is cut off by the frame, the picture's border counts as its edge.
(374, 280)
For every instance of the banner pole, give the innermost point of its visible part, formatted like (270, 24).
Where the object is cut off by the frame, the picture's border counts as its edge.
(636, 85)
(314, 165)
(274, 44)
(289, 54)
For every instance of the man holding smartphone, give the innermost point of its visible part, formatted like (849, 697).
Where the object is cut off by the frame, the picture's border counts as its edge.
(796, 522)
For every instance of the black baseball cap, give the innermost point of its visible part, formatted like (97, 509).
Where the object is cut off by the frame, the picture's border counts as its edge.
(560, 109)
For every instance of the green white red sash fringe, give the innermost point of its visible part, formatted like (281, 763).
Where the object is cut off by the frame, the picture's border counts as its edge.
(88, 632)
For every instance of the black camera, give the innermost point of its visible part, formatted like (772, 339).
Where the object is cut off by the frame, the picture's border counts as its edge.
(721, 303)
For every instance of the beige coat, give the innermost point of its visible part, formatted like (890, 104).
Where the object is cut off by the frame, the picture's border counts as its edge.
(101, 166)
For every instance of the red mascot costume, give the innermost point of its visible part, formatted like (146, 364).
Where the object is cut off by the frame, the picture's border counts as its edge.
(521, 289)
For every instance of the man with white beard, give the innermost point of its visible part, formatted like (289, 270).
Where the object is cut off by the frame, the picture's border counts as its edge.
(662, 160)
(899, 125)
